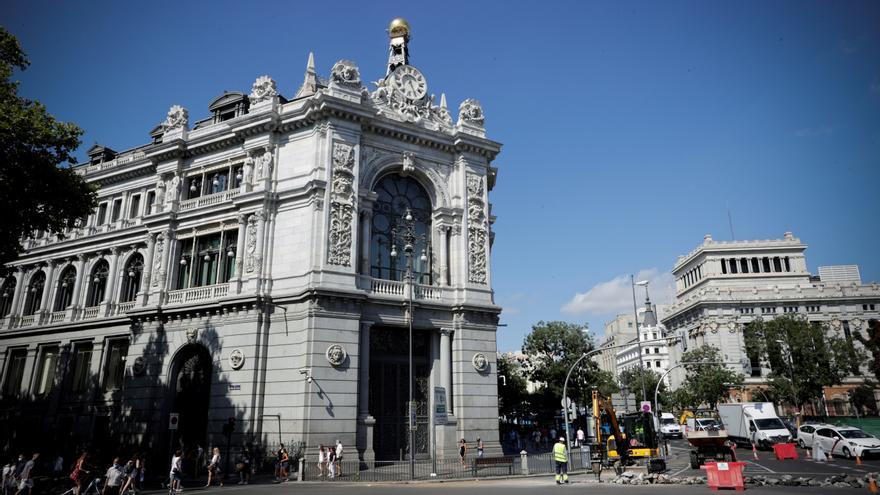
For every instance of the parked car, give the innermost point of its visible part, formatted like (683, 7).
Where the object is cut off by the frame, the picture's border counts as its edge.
(792, 428)
(806, 433)
(846, 441)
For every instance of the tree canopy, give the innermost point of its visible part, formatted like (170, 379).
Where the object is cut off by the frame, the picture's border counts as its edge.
(803, 357)
(36, 194)
(632, 380)
(872, 345)
(552, 348)
(513, 395)
(707, 380)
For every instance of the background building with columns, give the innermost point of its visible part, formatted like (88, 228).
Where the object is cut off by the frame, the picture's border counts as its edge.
(251, 266)
(722, 286)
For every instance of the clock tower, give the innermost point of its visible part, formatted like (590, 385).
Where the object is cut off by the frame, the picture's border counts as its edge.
(398, 52)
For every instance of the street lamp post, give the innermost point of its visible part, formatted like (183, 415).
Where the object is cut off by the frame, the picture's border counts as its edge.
(405, 232)
(639, 334)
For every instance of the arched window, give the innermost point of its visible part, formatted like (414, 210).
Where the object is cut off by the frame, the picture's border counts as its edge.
(98, 283)
(396, 194)
(7, 292)
(131, 279)
(64, 295)
(34, 293)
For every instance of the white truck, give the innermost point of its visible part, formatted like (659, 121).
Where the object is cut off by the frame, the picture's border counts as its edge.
(669, 427)
(753, 423)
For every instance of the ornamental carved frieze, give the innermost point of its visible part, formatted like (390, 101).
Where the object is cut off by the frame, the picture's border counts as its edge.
(264, 89)
(477, 231)
(157, 266)
(342, 203)
(251, 244)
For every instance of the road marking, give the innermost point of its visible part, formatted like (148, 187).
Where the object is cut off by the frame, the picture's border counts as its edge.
(760, 466)
(680, 471)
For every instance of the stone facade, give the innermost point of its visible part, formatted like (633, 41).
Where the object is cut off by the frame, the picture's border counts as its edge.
(237, 258)
(723, 286)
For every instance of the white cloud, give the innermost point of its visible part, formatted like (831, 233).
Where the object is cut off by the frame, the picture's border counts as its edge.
(615, 296)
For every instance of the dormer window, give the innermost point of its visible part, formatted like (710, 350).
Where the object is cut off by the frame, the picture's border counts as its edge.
(229, 105)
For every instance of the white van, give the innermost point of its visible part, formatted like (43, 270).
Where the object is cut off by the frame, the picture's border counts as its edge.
(754, 423)
(669, 427)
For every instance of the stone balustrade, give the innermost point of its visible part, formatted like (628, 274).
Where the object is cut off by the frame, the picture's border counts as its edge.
(197, 294)
(90, 312)
(210, 199)
(57, 316)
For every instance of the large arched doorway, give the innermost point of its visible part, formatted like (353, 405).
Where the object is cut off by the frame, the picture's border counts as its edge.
(192, 371)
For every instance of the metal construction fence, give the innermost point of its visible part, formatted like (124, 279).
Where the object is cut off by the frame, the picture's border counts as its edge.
(428, 469)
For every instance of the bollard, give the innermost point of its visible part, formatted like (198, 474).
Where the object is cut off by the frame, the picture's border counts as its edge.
(524, 462)
(302, 468)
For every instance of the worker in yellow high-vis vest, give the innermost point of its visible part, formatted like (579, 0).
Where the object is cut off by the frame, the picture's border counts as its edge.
(561, 458)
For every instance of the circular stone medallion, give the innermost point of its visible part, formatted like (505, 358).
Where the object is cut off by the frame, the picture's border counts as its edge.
(480, 362)
(336, 355)
(236, 359)
(138, 366)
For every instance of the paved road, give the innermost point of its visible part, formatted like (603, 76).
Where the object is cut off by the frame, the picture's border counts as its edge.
(767, 465)
(493, 487)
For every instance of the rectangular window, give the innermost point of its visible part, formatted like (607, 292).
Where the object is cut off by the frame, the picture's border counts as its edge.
(755, 268)
(724, 267)
(134, 208)
(82, 365)
(184, 264)
(46, 372)
(744, 265)
(117, 210)
(777, 266)
(14, 372)
(102, 214)
(194, 187)
(733, 266)
(656, 364)
(151, 198)
(787, 264)
(766, 264)
(114, 370)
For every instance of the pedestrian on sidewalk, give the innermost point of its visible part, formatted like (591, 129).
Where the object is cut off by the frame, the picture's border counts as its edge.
(561, 458)
(25, 477)
(339, 452)
(331, 461)
(462, 452)
(479, 447)
(322, 461)
(176, 472)
(129, 472)
(8, 469)
(214, 468)
(283, 462)
(580, 437)
(114, 477)
(244, 472)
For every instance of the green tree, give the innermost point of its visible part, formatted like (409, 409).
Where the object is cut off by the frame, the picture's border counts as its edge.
(35, 193)
(632, 380)
(552, 348)
(863, 398)
(872, 345)
(804, 357)
(707, 381)
(678, 400)
(513, 395)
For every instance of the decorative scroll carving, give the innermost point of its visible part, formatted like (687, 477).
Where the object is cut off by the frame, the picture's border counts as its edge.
(341, 205)
(263, 89)
(251, 247)
(471, 112)
(336, 355)
(345, 73)
(477, 256)
(177, 118)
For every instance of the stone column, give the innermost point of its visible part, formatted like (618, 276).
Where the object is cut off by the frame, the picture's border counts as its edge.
(110, 287)
(77, 285)
(366, 422)
(147, 273)
(366, 223)
(239, 251)
(47, 289)
(444, 255)
(10, 319)
(446, 364)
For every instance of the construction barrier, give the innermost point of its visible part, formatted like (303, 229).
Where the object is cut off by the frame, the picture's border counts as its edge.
(724, 475)
(785, 451)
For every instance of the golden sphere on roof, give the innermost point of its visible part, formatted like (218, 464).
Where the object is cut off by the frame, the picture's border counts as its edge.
(398, 27)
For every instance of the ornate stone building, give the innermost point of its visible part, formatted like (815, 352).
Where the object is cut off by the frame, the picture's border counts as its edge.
(723, 286)
(251, 266)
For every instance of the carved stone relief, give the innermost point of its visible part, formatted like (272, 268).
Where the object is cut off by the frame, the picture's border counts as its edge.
(342, 202)
(177, 118)
(471, 112)
(157, 266)
(480, 362)
(236, 359)
(345, 73)
(263, 89)
(336, 355)
(138, 366)
(251, 244)
(477, 256)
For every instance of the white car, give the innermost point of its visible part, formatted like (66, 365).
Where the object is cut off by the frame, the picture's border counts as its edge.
(846, 441)
(807, 432)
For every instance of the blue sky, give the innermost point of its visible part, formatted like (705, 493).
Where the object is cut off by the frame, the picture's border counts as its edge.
(629, 129)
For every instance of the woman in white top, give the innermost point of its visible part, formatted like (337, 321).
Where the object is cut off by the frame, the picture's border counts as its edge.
(322, 461)
(214, 468)
(176, 473)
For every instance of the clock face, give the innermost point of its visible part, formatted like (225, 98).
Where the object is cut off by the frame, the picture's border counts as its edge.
(409, 81)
